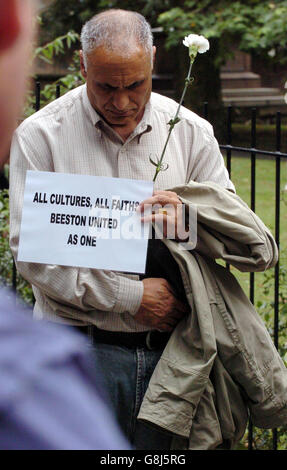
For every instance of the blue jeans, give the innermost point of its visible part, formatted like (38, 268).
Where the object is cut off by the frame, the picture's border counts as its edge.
(126, 374)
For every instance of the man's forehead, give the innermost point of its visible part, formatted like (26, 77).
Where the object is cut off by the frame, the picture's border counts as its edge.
(118, 57)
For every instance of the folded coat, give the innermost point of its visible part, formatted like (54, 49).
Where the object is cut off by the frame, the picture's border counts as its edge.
(220, 364)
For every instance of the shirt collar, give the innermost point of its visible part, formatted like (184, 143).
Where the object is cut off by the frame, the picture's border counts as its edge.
(145, 125)
(92, 113)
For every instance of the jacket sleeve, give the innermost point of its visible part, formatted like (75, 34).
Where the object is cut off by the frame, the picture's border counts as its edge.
(228, 229)
(73, 288)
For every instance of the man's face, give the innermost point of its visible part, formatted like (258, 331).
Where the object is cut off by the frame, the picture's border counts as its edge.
(119, 87)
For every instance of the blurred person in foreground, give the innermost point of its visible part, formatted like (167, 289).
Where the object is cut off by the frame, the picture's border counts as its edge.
(50, 396)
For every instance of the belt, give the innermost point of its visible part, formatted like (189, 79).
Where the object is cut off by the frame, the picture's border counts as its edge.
(150, 339)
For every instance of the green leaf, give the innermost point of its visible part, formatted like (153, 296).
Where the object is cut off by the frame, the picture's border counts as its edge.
(153, 163)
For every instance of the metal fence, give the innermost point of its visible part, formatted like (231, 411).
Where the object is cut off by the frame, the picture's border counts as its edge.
(252, 152)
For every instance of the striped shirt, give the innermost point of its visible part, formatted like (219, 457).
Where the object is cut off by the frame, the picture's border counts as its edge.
(69, 136)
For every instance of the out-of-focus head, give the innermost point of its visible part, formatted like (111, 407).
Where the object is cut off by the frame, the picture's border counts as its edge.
(117, 61)
(16, 33)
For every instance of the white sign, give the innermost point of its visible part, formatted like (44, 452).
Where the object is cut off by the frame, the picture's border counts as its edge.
(84, 221)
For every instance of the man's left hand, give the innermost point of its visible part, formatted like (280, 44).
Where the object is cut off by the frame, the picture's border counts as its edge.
(168, 215)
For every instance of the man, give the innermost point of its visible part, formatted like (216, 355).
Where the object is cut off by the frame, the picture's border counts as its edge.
(50, 396)
(109, 127)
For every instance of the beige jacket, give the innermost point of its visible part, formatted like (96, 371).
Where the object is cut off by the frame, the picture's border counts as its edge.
(220, 363)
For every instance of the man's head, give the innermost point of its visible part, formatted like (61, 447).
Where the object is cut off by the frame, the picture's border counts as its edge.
(15, 47)
(116, 61)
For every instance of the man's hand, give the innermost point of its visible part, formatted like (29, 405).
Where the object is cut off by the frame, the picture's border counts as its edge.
(167, 214)
(160, 309)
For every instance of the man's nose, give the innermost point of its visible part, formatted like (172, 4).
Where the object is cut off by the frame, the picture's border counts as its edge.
(120, 100)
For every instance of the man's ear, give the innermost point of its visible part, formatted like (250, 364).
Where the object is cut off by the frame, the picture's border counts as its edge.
(9, 23)
(153, 55)
(82, 63)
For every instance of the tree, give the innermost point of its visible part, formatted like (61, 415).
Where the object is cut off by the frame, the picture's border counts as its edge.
(63, 16)
(255, 26)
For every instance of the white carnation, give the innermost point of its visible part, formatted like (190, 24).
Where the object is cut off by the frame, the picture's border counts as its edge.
(196, 41)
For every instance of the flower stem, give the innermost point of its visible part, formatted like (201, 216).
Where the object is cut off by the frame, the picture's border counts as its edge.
(173, 121)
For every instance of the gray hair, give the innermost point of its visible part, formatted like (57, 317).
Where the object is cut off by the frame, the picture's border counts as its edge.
(115, 29)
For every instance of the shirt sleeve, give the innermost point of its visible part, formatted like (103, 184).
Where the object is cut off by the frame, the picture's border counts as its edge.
(206, 160)
(73, 288)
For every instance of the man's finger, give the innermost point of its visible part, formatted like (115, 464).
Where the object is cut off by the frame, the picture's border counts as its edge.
(158, 217)
(164, 198)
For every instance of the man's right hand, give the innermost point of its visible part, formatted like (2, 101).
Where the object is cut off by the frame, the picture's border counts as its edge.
(160, 309)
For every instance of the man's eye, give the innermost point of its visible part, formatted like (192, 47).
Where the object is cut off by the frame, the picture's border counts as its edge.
(135, 85)
(105, 86)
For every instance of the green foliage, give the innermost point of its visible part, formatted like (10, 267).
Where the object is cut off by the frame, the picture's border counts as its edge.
(266, 308)
(72, 79)
(255, 26)
(24, 289)
(62, 15)
(5, 255)
(55, 47)
(263, 439)
(258, 25)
